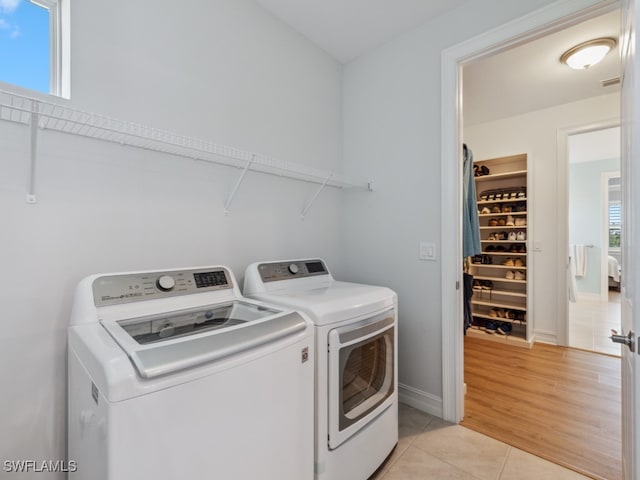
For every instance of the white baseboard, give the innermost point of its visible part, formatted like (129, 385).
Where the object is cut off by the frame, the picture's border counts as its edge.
(546, 337)
(421, 400)
(589, 296)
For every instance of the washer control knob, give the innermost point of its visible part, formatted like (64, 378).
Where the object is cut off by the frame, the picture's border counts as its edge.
(293, 268)
(166, 283)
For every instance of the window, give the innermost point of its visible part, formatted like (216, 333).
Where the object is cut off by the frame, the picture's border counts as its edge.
(614, 224)
(34, 55)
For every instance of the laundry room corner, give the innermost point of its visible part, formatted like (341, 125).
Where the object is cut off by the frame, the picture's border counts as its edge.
(106, 206)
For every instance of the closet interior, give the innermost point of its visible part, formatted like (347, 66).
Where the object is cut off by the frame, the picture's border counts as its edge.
(501, 306)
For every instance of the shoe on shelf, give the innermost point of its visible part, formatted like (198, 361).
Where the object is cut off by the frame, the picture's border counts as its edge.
(492, 236)
(504, 328)
(485, 211)
(510, 222)
(495, 209)
(490, 248)
(522, 248)
(493, 312)
(503, 236)
(521, 207)
(519, 275)
(493, 222)
(518, 262)
(510, 314)
(500, 248)
(500, 313)
(513, 248)
(512, 236)
(507, 208)
(501, 222)
(510, 275)
(508, 262)
(486, 260)
(476, 259)
(521, 235)
(490, 327)
(487, 284)
(521, 222)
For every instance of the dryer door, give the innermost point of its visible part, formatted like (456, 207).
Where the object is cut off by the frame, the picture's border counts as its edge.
(361, 374)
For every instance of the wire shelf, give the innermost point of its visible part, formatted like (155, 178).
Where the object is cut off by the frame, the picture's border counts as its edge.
(50, 116)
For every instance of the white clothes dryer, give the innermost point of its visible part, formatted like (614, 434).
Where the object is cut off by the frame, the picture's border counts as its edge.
(356, 365)
(173, 374)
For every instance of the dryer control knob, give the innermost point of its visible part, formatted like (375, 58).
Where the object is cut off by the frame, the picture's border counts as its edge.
(166, 283)
(293, 268)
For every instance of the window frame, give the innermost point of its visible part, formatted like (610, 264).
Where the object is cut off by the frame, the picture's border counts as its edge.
(59, 49)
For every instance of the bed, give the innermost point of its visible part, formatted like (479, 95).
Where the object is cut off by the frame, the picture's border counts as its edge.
(614, 273)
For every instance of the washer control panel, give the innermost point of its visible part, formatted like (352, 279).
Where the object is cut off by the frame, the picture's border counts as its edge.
(134, 287)
(271, 272)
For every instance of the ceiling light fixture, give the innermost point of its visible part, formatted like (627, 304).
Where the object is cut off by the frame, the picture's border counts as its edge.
(588, 53)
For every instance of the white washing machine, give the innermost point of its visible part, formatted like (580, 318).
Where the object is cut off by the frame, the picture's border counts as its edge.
(356, 365)
(173, 374)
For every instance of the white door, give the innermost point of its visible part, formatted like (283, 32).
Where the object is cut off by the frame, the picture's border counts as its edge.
(630, 138)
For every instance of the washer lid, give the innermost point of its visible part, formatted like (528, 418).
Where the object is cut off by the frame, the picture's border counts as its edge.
(333, 303)
(164, 343)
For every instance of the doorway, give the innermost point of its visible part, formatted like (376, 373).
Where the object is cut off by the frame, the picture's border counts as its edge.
(594, 239)
(534, 131)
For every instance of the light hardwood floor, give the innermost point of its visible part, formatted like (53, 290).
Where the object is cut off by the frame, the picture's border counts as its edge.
(558, 403)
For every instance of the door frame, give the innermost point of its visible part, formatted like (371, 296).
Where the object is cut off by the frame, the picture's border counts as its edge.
(544, 21)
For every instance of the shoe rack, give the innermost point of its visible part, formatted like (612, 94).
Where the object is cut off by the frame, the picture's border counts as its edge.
(500, 302)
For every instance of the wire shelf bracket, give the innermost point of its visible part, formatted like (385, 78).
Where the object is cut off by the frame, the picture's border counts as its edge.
(237, 185)
(39, 114)
(313, 199)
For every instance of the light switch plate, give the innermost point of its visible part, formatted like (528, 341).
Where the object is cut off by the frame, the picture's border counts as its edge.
(427, 251)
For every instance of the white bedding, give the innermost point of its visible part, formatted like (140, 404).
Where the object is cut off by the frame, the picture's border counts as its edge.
(614, 269)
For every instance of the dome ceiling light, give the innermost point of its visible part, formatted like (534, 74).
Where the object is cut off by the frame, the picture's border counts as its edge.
(588, 53)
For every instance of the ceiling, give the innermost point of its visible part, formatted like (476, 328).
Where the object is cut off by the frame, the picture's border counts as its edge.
(347, 28)
(519, 80)
(530, 77)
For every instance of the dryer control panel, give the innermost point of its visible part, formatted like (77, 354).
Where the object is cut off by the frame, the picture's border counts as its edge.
(271, 272)
(116, 289)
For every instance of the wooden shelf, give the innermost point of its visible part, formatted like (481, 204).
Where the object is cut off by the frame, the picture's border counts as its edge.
(503, 241)
(500, 319)
(503, 200)
(511, 293)
(504, 227)
(501, 176)
(501, 214)
(508, 306)
(505, 267)
(506, 254)
(514, 339)
(498, 279)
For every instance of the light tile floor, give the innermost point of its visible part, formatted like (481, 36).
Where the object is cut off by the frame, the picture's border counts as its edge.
(428, 447)
(591, 321)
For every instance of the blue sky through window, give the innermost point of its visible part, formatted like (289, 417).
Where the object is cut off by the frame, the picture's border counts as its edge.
(24, 45)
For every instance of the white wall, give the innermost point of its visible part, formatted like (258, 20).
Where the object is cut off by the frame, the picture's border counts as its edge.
(222, 70)
(586, 201)
(392, 135)
(535, 134)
